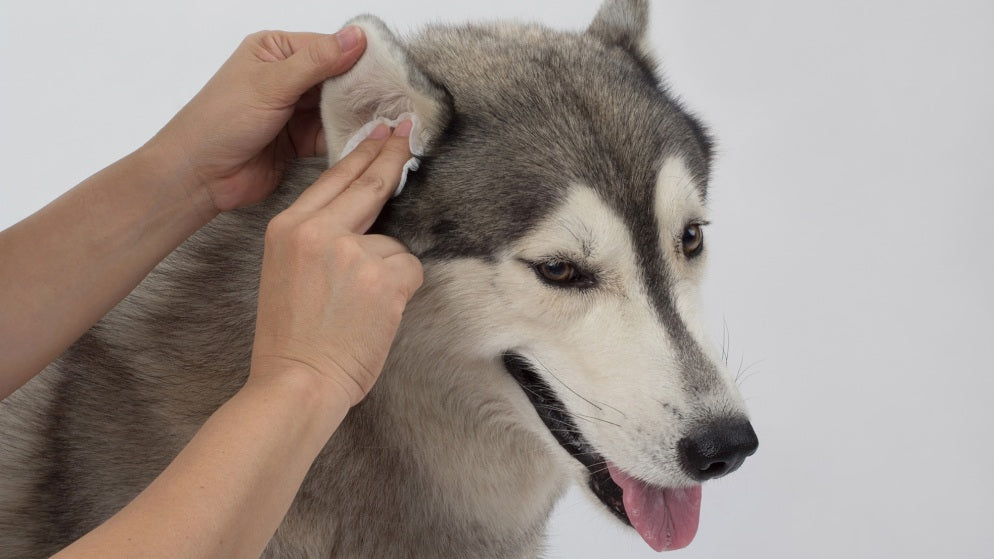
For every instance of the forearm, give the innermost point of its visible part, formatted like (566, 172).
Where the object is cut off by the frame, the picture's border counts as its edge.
(64, 267)
(226, 493)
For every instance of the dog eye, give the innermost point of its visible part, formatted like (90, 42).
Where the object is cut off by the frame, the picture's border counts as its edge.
(692, 241)
(562, 274)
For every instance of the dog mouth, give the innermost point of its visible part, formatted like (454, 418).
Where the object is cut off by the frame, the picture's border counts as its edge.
(666, 518)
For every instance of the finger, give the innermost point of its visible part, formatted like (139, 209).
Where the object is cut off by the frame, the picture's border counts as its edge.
(357, 206)
(397, 152)
(280, 45)
(335, 180)
(409, 272)
(317, 58)
(383, 245)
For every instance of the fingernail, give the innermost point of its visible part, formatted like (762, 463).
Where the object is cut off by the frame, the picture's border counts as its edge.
(381, 132)
(349, 37)
(403, 129)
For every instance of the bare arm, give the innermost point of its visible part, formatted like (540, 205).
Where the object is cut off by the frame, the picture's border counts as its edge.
(228, 490)
(226, 493)
(64, 267)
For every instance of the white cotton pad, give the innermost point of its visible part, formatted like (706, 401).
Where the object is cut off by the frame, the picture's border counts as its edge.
(416, 144)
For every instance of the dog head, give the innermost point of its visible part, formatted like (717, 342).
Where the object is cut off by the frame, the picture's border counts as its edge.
(563, 195)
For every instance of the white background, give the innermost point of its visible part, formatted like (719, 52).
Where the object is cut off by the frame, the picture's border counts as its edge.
(851, 245)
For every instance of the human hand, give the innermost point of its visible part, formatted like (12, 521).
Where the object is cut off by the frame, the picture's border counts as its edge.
(331, 297)
(260, 110)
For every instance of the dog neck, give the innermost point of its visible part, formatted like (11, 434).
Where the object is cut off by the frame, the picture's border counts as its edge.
(440, 451)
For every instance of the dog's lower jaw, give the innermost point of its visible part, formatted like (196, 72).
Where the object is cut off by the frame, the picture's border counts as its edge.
(666, 518)
(557, 419)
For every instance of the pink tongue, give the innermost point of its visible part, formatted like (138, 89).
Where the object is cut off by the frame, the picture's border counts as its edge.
(665, 518)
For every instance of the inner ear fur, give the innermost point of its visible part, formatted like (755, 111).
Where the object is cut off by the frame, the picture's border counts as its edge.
(383, 83)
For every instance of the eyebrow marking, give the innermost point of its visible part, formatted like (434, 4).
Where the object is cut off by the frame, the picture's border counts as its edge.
(584, 239)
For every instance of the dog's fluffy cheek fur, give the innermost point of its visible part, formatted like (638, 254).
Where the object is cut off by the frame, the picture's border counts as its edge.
(573, 336)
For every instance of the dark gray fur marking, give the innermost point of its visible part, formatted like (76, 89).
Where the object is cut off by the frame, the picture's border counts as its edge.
(532, 112)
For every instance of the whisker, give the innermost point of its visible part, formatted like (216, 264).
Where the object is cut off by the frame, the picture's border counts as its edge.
(602, 469)
(590, 418)
(591, 452)
(567, 431)
(575, 414)
(725, 340)
(613, 408)
(745, 374)
(566, 424)
(546, 369)
(562, 409)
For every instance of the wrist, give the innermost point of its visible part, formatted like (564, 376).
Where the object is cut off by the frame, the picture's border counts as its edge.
(308, 392)
(172, 164)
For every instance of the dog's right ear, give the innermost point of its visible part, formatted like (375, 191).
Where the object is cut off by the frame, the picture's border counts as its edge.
(383, 83)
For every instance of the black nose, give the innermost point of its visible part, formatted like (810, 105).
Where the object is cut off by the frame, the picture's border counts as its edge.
(717, 448)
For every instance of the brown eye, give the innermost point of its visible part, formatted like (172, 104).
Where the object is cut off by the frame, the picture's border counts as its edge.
(557, 272)
(692, 240)
(562, 274)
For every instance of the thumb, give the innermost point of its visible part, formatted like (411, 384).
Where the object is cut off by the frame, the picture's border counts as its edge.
(323, 57)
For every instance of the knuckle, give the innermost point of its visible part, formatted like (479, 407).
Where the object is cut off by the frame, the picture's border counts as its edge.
(278, 227)
(412, 284)
(307, 236)
(419, 273)
(412, 264)
(372, 279)
(255, 38)
(371, 182)
(345, 249)
(268, 43)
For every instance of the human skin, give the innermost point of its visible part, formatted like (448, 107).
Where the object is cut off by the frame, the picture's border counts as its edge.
(64, 267)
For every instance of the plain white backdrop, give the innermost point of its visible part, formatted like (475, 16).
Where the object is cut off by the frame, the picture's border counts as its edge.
(851, 251)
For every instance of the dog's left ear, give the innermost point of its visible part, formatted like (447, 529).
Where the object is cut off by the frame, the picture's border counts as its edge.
(385, 82)
(624, 23)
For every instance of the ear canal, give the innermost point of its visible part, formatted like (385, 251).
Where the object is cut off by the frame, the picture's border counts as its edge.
(383, 83)
(623, 23)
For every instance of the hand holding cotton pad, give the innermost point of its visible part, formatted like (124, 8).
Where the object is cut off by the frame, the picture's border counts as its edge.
(416, 142)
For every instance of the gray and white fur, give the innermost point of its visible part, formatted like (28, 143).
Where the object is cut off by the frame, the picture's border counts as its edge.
(544, 148)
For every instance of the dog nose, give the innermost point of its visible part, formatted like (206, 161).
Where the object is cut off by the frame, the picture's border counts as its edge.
(717, 449)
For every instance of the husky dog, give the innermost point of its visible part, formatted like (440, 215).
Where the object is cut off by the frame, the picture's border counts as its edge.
(558, 211)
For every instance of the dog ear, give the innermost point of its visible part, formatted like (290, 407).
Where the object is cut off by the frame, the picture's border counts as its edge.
(623, 23)
(383, 83)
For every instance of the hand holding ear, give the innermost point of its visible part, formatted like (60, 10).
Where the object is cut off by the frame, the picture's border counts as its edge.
(331, 297)
(260, 110)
